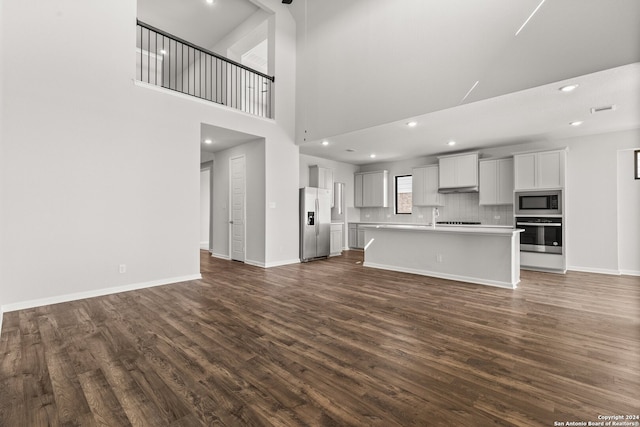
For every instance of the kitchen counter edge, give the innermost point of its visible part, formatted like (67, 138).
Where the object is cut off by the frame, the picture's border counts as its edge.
(476, 229)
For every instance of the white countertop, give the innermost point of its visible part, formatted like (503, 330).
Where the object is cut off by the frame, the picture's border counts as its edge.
(420, 224)
(458, 229)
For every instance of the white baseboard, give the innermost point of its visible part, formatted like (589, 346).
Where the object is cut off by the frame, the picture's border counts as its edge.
(630, 272)
(254, 263)
(221, 256)
(594, 270)
(96, 293)
(204, 246)
(442, 275)
(270, 264)
(281, 263)
(1, 316)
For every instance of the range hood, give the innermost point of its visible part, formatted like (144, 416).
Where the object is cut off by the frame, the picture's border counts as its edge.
(458, 190)
(458, 173)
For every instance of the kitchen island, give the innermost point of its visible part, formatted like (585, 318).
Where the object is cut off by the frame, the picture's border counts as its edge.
(475, 254)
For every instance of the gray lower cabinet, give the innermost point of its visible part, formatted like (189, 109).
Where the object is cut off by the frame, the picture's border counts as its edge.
(360, 238)
(336, 240)
(353, 235)
(356, 236)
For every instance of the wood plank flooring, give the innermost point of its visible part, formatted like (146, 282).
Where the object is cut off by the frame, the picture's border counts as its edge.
(328, 343)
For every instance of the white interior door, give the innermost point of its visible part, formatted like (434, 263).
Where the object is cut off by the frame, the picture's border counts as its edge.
(205, 204)
(237, 212)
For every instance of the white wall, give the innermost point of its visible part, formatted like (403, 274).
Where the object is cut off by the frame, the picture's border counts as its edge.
(281, 153)
(247, 28)
(92, 197)
(254, 153)
(2, 283)
(628, 214)
(80, 192)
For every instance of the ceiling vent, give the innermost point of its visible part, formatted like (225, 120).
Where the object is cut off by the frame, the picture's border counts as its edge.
(601, 109)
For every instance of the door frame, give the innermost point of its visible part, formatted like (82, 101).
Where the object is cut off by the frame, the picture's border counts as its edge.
(209, 166)
(244, 208)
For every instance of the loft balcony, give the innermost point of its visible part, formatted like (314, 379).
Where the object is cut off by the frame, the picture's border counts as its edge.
(172, 63)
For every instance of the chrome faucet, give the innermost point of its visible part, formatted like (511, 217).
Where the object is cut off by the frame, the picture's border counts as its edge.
(435, 213)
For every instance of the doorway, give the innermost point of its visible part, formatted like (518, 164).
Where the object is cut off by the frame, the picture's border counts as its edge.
(205, 208)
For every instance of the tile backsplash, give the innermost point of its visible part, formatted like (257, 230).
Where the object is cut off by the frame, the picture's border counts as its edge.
(457, 207)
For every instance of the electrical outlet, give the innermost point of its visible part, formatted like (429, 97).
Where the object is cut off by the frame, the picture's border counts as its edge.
(122, 268)
(439, 258)
(496, 217)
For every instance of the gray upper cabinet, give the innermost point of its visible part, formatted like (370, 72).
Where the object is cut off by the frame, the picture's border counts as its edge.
(496, 182)
(321, 178)
(425, 187)
(540, 170)
(371, 189)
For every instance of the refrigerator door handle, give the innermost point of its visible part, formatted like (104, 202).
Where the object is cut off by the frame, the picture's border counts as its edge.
(318, 217)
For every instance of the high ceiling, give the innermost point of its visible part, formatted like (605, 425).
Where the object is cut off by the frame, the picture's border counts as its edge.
(456, 67)
(367, 67)
(543, 113)
(196, 21)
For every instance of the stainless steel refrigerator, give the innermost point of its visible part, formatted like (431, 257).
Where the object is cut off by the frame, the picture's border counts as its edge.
(315, 223)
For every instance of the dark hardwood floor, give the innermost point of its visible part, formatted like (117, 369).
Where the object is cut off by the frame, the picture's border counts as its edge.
(328, 343)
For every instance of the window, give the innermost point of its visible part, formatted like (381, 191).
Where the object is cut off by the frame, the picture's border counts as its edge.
(404, 199)
(636, 155)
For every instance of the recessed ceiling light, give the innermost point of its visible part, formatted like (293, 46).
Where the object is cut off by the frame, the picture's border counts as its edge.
(412, 124)
(568, 88)
(325, 143)
(208, 141)
(451, 143)
(210, 1)
(162, 51)
(373, 156)
(576, 123)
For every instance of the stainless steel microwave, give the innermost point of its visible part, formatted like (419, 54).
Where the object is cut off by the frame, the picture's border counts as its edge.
(539, 203)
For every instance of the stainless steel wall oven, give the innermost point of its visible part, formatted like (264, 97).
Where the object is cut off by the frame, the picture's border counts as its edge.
(541, 234)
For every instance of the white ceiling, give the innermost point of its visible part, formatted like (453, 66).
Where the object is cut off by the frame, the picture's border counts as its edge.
(366, 67)
(195, 20)
(222, 138)
(538, 114)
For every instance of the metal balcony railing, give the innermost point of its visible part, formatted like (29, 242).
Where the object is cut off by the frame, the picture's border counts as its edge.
(172, 63)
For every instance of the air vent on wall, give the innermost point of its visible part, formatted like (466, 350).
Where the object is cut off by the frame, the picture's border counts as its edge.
(601, 109)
